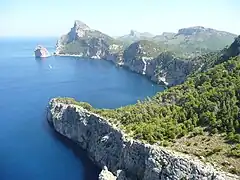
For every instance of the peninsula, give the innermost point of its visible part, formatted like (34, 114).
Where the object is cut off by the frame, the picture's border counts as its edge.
(189, 131)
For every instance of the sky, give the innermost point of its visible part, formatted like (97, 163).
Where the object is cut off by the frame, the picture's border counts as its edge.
(116, 17)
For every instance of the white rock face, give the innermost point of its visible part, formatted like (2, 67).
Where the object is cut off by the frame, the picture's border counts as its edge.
(109, 147)
(106, 175)
(41, 52)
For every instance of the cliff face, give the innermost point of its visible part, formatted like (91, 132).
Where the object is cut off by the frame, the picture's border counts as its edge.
(112, 150)
(169, 69)
(147, 56)
(84, 41)
(141, 56)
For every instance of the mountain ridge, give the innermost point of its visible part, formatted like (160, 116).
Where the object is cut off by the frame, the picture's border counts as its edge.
(144, 56)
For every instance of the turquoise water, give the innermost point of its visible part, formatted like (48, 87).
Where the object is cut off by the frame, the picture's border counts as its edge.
(29, 149)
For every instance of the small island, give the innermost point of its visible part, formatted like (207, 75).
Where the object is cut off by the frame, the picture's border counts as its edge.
(41, 52)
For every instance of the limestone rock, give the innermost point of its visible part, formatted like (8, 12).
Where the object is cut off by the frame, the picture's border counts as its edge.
(106, 175)
(84, 41)
(108, 146)
(41, 51)
(147, 58)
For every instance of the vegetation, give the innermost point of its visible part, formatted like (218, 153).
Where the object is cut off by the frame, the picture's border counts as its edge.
(209, 100)
(90, 42)
(189, 41)
(200, 116)
(210, 148)
(142, 48)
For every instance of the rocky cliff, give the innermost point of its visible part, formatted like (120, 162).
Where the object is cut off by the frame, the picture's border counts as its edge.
(150, 57)
(147, 58)
(121, 156)
(41, 52)
(86, 42)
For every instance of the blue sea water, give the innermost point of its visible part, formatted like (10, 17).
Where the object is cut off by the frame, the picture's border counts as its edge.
(29, 148)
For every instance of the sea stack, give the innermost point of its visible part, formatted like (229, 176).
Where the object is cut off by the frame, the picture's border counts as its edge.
(41, 51)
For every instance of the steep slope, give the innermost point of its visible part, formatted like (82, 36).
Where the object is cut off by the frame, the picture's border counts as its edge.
(209, 60)
(87, 42)
(167, 59)
(115, 152)
(139, 54)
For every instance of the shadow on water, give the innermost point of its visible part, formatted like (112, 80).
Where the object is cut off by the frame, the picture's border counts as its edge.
(91, 171)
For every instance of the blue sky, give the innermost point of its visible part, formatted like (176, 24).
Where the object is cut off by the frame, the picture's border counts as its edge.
(56, 17)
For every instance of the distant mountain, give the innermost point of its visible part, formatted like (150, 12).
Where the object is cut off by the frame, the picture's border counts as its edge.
(164, 37)
(168, 58)
(200, 39)
(186, 41)
(136, 36)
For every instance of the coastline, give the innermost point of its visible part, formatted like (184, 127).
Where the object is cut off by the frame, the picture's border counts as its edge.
(118, 64)
(113, 150)
(67, 55)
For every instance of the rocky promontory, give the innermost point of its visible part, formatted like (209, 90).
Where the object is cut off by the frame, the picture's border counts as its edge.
(120, 156)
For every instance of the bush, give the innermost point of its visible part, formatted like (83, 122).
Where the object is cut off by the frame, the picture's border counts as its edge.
(235, 151)
(197, 131)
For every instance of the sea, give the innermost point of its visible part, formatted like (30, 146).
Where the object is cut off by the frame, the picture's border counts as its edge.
(29, 148)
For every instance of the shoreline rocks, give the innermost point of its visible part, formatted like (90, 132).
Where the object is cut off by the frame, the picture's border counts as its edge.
(117, 154)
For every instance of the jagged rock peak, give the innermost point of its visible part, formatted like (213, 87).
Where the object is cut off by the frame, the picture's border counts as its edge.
(80, 25)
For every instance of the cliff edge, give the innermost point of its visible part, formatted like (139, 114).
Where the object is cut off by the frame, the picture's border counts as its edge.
(111, 149)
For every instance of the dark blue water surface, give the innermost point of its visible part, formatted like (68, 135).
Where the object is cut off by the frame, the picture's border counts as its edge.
(29, 149)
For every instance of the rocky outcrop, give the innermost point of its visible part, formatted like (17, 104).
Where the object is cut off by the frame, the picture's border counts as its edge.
(141, 57)
(106, 175)
(124, 157)
(41, 52)
(169, 69)
(147, 56)
(84, 41)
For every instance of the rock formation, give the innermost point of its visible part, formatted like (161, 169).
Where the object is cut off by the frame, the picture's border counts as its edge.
(84, 41)
(147, 57)
(41, 52)
(125, 158)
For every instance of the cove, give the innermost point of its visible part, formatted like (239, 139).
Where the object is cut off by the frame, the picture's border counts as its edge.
(29, 148)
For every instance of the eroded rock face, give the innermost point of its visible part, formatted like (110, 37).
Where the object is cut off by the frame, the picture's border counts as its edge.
(41, 51)
(106, 175)
(109, 147)
(84, 41)
(160, 67)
